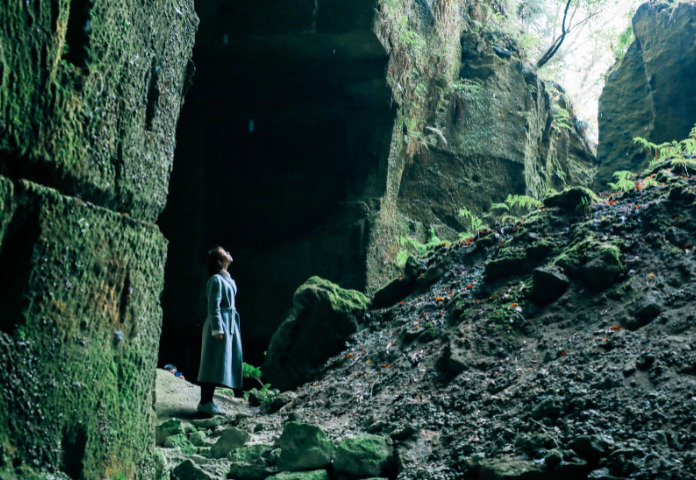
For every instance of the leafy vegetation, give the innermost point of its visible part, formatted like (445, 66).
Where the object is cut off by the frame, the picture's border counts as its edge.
(624, 182)
(681, 154)
(475, 224)
(413, 246)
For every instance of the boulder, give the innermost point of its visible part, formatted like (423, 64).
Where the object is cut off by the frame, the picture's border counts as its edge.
(650, 92)
(230, 439)
(311, 475)
(322, 317)
(604, 269)
(589, 447)
(248, 463)
(188, 470)
(548, 284)
(170, 427)
(363, 456)
(181, 442)
(511, 469)
(304, 447)
(572, 199)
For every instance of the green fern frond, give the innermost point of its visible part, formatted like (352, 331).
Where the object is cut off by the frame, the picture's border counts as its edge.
(623, 181)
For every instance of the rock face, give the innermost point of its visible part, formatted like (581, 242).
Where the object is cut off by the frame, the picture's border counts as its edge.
(312, 141)
(650, 93)
(500, 130)
(322, 317)
(89, 97)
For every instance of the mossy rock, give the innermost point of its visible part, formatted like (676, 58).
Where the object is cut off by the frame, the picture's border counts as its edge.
(311, 475)
(95, 115)
(316, 328)
(167, 429)
(231, 439)
(81, 314)
(303, 447)
(181, 442)
(248, 463)
(573, 200)
(604, 269)
(364, 455)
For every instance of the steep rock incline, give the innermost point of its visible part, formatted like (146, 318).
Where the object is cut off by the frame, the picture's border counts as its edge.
(563, 347)
(651, 92)
(560, 348)
(90, 93)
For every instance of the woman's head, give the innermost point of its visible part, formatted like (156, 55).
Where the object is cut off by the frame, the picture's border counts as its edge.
(217, 260)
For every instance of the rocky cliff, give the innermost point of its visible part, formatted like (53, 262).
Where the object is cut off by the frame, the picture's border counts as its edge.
(90, 93)
(310, 142)
(650, 93)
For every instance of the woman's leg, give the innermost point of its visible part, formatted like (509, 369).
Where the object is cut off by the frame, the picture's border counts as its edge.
(207, 391)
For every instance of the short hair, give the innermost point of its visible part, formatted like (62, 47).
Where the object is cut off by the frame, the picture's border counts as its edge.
(213, 261)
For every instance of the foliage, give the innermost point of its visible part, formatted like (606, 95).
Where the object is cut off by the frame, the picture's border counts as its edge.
(475, 224)
(561, 117)
(414, 246)
(623, 41)
(469, 88)
(265, 394)
(680, 153)
(623, 181)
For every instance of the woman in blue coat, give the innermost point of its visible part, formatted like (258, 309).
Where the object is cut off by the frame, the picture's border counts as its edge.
(221, 355)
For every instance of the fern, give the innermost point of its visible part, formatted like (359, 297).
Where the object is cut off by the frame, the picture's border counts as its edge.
(475, 224)
(623, 181)
(420, 249)
(524, 202)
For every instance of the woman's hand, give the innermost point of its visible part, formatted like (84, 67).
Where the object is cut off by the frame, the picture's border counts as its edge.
(219, 336)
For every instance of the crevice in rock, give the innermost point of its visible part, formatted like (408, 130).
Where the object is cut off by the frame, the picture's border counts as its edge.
(77, 36)
(73, 451)
(153, 95)
(55, 13)
(125, 297)
(16, 263)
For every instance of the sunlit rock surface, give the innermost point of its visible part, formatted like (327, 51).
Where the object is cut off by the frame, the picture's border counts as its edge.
(651, 92)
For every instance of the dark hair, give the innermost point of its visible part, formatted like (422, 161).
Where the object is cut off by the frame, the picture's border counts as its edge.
(213, 261)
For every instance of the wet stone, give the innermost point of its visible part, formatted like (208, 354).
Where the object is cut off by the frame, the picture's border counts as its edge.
(365, 455)
(230, 439)
(548, 285)
(167, 429)
(304, 447)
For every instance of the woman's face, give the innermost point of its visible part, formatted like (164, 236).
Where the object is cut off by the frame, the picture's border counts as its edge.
(225, 256)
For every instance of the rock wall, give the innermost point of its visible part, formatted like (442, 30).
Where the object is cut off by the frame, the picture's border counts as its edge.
(90, 93)
(651, 92)
(307, 146)
(498, 130)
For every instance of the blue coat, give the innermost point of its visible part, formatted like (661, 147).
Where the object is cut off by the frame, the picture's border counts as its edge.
(221, 360)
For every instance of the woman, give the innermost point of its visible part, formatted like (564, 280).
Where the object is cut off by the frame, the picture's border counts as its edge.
(221, 355)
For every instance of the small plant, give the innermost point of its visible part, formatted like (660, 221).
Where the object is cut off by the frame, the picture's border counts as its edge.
(514, 207)
(264, 394)
(681, 154)
(561, 118)
(467, 87)
(623, 181)
(475, 224)
(414, 246)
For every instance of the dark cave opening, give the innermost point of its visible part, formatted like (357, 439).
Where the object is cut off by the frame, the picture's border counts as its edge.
(281, 145)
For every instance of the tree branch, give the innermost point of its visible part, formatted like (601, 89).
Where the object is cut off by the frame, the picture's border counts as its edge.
(548, 55)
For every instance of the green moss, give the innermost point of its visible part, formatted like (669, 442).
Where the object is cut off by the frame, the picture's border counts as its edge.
(342, 300)
(181, 442)
(87, 326)
(75, 110)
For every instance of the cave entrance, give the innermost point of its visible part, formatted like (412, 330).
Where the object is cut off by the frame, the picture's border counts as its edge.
(282, 148)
